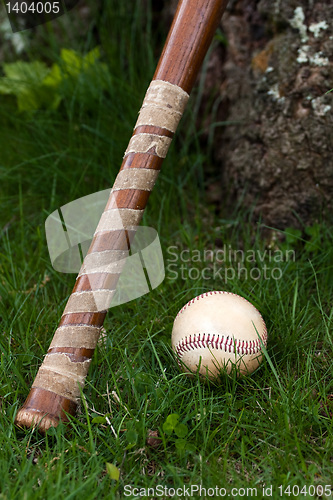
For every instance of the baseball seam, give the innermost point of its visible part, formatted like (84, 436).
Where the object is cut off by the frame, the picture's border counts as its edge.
(220, 342)
(221, 292)
(207, 294)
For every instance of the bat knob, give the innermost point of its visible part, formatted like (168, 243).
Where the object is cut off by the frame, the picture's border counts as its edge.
(44, 409)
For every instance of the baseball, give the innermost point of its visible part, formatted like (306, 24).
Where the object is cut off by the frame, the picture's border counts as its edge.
(219, 331)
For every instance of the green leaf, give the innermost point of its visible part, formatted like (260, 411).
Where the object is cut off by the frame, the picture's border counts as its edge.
(168, 428)
(72, 62)
(173, 419)
(313, 231)
(131, 436)
(190, 447)
(99, 420)
(36, 86)
(54, 77)
(91, 58)
(313, 245)
(6, 86)
(24, 79)
(21, 76)
(292, 235)
(183, 445)
(181, 430)
(170, 423)
(112, 471)
(24, 74)
(27, 101)
(180, 444)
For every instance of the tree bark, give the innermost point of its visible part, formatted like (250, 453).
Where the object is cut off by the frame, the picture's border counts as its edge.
(277, 150)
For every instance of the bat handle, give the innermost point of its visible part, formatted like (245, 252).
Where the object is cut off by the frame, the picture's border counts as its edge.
(55, 392)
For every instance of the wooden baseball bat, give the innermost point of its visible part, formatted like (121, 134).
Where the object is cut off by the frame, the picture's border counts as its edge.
(55, 392)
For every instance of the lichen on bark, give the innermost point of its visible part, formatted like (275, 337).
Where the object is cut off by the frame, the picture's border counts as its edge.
(277, 150)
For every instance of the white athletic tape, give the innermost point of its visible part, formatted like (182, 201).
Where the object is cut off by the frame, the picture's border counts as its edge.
(89, 301)
(76, 336)
(163, 105)
(119, 218)
(136, 178)
(109, 261)
(61, 375)
(144, 143)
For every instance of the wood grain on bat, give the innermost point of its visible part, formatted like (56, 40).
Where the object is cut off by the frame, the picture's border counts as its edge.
(56, 389)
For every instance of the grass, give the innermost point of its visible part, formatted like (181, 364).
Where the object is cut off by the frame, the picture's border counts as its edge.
(270, 430)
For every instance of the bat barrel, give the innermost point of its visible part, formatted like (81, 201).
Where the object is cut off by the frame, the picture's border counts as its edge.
(56, 389)
(189, 38)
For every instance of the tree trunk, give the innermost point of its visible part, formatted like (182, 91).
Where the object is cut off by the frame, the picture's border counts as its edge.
(277, 150)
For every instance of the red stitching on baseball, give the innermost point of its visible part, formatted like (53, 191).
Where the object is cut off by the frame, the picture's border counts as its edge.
(227, 344)
(206, 294)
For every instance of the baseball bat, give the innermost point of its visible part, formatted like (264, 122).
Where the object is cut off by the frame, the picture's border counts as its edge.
(55, 392)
